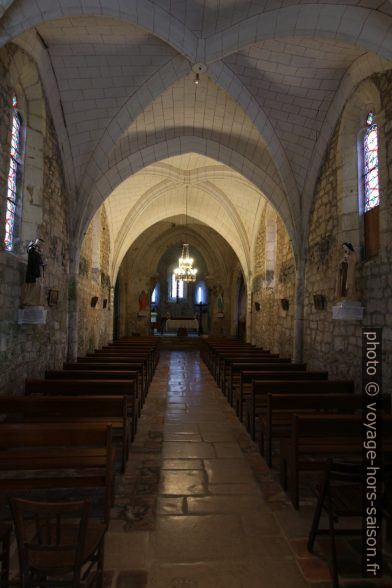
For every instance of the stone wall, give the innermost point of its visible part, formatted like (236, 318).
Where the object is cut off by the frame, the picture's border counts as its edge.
(335, 344)
(272, 326)
(95, 324)
(27, 350)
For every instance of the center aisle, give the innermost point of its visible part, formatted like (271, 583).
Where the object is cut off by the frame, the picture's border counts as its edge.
(197, 507)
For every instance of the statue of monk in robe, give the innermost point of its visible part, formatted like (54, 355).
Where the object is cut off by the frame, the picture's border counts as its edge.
(33, 289)
(345, 285)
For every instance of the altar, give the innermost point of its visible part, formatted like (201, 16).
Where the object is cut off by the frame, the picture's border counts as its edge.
(173, 324)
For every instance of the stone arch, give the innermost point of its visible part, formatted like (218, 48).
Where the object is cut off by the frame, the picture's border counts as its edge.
(361, 69)
(32, 45)
(130, 165)
(315, 20)
(176, 209)
(144, 13)
(152, 254)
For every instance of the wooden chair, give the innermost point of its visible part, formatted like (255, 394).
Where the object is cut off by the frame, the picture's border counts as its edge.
(340, 496)
(57, 544)
(5, 537)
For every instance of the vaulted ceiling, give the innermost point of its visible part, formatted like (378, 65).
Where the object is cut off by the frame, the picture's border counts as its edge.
(134, 128)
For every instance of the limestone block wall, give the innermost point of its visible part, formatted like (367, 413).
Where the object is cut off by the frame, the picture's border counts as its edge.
(27, 350)
(95, 324)
(272, 326)
(332, 344)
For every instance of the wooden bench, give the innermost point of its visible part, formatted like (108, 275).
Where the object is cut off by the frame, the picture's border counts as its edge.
(137, 353)
(243, 389)
(225, 359)
(314, 438)
(110, 366)
(107, 410)
(57, 449)
(211, 351)
(151, 348)
(258, 398)
(261, 366)
(121, 357)
(126, 388)
(112, 363)
(275, 364)
(96, 374)
(276, 421)
(227, 362)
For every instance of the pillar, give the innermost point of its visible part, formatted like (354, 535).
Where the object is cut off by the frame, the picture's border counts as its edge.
(298, 343)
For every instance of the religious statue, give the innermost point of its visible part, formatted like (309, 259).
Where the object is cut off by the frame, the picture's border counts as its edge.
(345, 286)
(143, 301)
(33, 291)
(219, 301)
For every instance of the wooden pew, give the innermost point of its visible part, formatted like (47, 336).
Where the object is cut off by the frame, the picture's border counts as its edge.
(97, 374)
(64, 448)
(265, 366)
(116, 363)
(122, 356)
(276, 422)
(212, 355)
(314, 438)
(243, 389)
(148, 351)
(152, 348)
(222, 355)
(126, 388)
(227, 360)
(260, 389)
(107, 410)
(147, 355)
(235, 367)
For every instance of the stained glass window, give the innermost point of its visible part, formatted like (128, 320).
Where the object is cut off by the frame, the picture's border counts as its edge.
(13, 175)
(370, 165)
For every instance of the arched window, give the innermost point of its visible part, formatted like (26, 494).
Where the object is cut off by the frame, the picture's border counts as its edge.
(173, 289)
(371, 189)
(370, 186)
(200, 293)
(270, 251)
(155, 295)
(14, 177)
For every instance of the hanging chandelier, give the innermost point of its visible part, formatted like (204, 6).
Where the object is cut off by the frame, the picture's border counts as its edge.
(185, 272)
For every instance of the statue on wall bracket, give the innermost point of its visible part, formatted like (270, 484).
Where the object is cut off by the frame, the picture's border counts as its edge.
(33, 288)
(345, 286)
(220, 303)
(347, 307)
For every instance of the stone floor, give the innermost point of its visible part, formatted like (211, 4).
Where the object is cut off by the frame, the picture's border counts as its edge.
(198, 507)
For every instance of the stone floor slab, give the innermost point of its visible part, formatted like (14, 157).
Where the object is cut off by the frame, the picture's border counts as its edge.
(229, 504)
(199, 538)
(223, 471)
(173, 449)
(182, 482)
